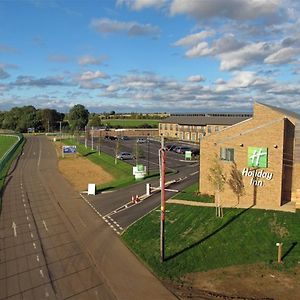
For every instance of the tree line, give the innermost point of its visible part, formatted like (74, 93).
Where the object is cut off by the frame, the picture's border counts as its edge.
(21, 119)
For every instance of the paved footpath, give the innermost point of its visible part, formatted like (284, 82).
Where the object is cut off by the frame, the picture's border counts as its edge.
(53, 246)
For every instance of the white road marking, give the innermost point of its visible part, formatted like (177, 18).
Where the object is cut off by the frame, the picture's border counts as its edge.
(42, 273)
(24, 205)
(26, 211)
(29, 225)
(37, 258)
(40, 155)
(34, 245)
(31, 235)
(14, 227)
(27, 218)
(44, 223)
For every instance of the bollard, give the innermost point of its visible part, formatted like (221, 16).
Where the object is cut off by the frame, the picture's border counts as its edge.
(279, 254)
(148, 189)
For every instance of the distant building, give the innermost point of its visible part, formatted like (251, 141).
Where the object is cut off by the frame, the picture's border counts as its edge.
(266, 151)
(191, 127)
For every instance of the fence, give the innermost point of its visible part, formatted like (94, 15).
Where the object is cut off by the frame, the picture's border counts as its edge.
(10, 152)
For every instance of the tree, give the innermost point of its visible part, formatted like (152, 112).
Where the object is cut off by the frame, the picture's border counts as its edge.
(78, 117)
(218, 180)
(236, 182)
(94, 121)
(139, 152)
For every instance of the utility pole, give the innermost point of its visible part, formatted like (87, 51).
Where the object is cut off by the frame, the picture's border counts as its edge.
(85, 137)
(92, 135)
(99, 142)
(148, 163)
(162, 155)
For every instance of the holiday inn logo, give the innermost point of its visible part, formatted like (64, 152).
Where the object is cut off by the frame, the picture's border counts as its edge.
(257, 157)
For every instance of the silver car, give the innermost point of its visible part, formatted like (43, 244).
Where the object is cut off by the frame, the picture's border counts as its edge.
(125, 156)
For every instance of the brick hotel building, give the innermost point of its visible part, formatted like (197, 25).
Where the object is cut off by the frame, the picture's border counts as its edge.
(266, 151)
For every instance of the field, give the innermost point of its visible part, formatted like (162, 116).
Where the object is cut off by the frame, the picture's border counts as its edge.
(5, 143)
(197, 241)
(130, 123)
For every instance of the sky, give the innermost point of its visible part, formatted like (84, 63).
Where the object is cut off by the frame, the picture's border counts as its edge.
(177, 56)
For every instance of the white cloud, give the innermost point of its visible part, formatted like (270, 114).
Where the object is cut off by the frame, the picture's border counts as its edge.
(196, 78)
(282, 56)
(249, 54)
(141, 4)
(108, 26)
(90, 75)
(201, 49)
(231, 9)
(195, 38)
(90, 60)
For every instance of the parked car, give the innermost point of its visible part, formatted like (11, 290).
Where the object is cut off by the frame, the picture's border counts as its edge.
(195, 151)
(182, 149)
(110, 137)
(125, 156)
(124, 138)
(170, 147)
(141, 140)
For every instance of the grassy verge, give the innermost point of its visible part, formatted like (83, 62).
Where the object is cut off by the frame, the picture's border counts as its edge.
(128, 123)
(4, 171)
(191, 194)
(121, 171)
(6, 142)
(198, 241)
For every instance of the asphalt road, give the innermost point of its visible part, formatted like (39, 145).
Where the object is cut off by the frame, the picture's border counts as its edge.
(54, 247)
(116, 208)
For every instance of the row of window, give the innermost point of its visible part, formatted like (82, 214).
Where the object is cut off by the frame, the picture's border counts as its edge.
(189, 127)
(227, 154)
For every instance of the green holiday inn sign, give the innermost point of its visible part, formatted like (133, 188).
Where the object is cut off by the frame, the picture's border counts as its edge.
(257, 157)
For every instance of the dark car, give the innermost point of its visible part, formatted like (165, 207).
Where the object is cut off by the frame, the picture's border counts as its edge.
(110, 137)
(170, 147)
(195, 151)
(182, 149)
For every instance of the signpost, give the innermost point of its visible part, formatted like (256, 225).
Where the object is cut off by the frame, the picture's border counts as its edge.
(68, 150)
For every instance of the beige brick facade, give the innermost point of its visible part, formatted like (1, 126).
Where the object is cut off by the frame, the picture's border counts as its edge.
(268, 128)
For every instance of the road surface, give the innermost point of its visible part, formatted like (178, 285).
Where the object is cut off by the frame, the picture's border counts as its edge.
(54, 247)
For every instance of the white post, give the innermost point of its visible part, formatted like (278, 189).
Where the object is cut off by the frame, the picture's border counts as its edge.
(148, 189)
(92, 138)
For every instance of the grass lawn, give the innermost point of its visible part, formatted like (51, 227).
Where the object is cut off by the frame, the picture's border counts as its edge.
(122, 171)
(191, 194)
(198, 241)
(129, 123)
(5, 143)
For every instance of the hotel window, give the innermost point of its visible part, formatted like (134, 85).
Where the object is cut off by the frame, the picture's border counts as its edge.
(176, 127)
(208, 129)
(217, 128)
(227, 154)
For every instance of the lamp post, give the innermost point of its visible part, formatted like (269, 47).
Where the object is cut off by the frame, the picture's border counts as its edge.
(148, 163)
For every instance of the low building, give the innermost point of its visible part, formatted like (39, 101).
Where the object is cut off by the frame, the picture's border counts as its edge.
(264, 154)
(192, 127)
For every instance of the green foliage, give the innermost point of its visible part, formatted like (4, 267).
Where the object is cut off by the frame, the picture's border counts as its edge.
(78, 117)
(21, 118)
(131, 123)
(94, 121)
(6, 142)
(196, 241)
(191, 194)
(216, 175)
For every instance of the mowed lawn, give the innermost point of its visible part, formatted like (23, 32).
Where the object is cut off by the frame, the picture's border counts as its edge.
(5, 143)
(130, 123)
(198, 241)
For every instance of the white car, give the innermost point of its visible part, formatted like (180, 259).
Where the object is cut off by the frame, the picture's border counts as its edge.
(141, 140)
(125, 156)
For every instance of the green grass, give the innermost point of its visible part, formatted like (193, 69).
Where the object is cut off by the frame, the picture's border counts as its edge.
(5, 143)
(129, 123)
(4, 171)
(191, 194)
(121, 171)
(197, 241)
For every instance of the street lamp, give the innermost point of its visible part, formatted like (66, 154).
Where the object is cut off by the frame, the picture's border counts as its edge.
(148, 163)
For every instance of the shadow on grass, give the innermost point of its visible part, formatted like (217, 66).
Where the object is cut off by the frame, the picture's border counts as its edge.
(210, 235)
(89, 153)
(294, 244)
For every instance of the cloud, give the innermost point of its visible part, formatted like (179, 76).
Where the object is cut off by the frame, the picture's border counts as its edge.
(90, 75)
(141, 4)
(193, 39)
(282, 56)
(7, 49)
(230, 9)
(60, 58)
(91, 60)
(40, 82)
(3, 74)
(108, 26)
(196, 78)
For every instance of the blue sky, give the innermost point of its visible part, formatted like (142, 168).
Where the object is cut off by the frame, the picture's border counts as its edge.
(150, 55)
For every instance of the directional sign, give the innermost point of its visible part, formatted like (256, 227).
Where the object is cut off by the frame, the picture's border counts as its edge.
(69, 149)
